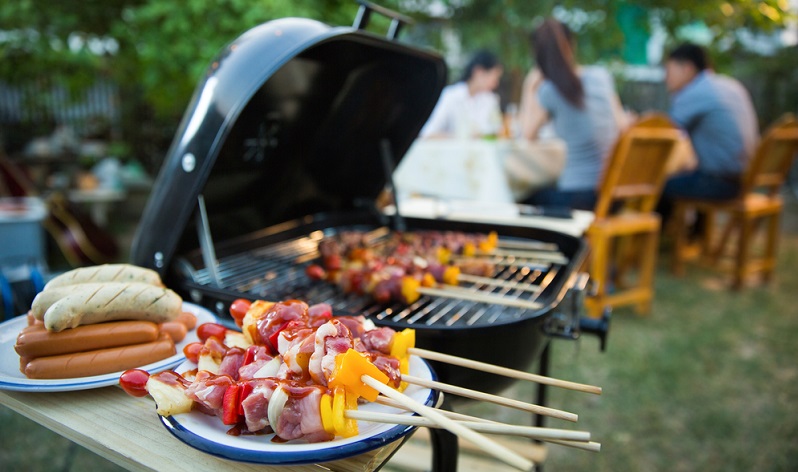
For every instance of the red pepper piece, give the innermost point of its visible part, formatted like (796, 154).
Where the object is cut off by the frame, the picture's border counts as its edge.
(244, 392)
(249, 355)
(230, 405)
(315, 272)
(332, 262)
(273, 337)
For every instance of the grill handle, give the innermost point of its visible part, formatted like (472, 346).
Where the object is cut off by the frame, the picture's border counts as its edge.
(364, 15)
(597, 326)
(567, 321)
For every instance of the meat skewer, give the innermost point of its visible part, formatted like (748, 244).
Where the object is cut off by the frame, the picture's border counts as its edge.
(352, 377)
(331, 373)
(401, 267)
(377, 342)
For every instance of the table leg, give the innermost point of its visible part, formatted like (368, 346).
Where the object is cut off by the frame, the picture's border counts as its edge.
(445, 447)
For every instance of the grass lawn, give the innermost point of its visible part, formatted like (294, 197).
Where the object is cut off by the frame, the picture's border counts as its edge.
(708, 382)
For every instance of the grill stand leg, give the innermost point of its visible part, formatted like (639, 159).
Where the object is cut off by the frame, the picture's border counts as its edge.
(444, 446)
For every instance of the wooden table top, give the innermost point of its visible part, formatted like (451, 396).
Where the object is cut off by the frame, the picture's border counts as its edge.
(128, 432)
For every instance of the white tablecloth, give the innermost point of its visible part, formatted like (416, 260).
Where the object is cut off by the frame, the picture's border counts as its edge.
(495, 213)
(466, 169)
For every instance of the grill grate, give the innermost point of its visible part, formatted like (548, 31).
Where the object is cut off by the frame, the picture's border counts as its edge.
(277, 272)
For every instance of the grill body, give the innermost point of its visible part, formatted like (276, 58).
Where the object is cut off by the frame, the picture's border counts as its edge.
(270, 264)
(292, 135)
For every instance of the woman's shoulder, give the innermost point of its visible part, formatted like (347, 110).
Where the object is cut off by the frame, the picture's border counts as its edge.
(455, 89)
(595, 72)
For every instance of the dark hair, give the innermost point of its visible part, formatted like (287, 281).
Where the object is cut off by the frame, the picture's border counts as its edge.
(552, 43)
(482, 59)
(692, 53)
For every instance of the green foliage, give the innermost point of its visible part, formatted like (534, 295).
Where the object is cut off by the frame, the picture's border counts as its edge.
(157, 50)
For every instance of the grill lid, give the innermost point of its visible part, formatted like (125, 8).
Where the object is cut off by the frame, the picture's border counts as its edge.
(288, 121)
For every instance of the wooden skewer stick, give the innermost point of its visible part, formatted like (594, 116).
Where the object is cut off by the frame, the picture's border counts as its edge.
(494, 369)
(476, 395)
(382, 400)
(530, 245)
(503, 262)
(482, 297)
(488, 445)
(523, 286)
(490, 428)
(587, 446)
(549, 256)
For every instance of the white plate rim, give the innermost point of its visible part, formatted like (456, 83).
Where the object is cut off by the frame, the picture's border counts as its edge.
(260, 450)
(13, 379)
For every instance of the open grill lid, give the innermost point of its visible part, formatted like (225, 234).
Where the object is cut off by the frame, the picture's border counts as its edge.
(291, 119)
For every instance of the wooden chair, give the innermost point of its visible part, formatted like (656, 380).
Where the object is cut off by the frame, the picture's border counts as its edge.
(624, 236)
(759, 203)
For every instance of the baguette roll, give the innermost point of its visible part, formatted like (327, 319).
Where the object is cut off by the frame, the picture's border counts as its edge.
(46, 298)
(102, 361)
(36, 341)
(113, 302)
(106, 273)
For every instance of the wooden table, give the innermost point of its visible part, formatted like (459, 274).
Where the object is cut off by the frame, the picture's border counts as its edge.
(128, 432)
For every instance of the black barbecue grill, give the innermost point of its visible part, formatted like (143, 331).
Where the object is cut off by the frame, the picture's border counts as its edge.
(290, 137)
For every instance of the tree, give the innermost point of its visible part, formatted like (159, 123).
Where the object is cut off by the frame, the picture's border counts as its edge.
(157, 50)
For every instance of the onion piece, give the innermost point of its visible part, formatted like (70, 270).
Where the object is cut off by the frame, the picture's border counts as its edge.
(368, 325)
(276, 405)
(268, 369)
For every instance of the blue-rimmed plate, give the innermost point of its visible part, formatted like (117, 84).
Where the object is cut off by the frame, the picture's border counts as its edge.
(12, 379)
(208, 434)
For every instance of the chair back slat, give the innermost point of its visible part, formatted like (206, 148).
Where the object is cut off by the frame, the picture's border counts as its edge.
(768, 169)
(636, 169)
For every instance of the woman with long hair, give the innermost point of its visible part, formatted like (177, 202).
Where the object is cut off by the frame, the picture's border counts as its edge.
(583, 107)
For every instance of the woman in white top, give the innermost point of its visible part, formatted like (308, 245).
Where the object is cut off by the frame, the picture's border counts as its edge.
(469, 108)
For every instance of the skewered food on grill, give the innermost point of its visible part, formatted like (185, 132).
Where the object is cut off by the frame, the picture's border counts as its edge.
(392, 267)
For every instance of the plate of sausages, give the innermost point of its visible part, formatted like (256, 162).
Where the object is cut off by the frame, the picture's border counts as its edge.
(11, 378)
(89, 325)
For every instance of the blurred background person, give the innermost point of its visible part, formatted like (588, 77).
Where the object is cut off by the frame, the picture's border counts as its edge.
(582, 105)
(469, 108)
(718, 115)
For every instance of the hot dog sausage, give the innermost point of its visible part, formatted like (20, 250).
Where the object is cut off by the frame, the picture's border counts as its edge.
(106, 273)
(111, 302)
(38, 342)
(102, 361)
(175, 329)
(188, 319)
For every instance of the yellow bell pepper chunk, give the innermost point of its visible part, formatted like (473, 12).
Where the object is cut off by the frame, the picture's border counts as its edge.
(428, 280)
(401, 342)
(451, 275)
(469, 249)
(444, 255)
(404, 368)
(342, 401)
(489, 243)
(326, 409)
(350, 425)
(410, 288)
(338, 407)
(349, 368)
